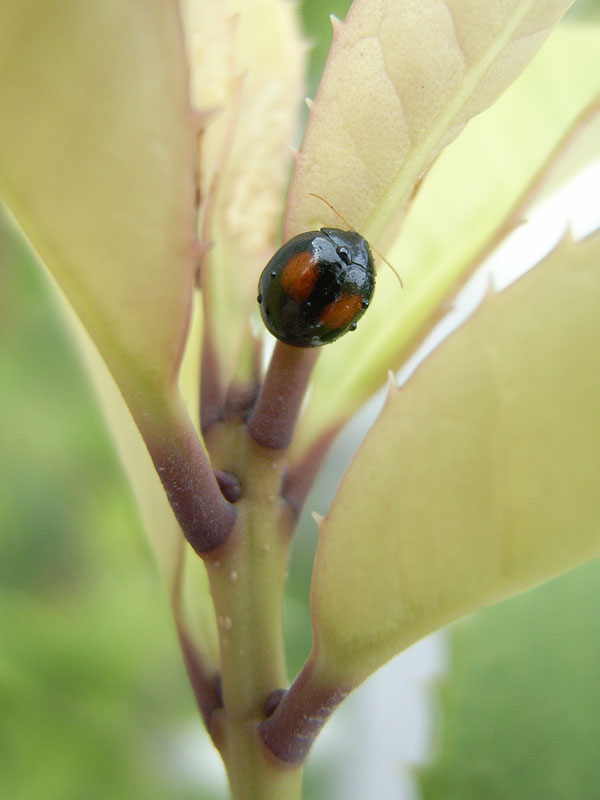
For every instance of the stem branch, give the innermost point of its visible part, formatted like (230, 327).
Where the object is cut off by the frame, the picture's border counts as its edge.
(272, 420)
(205, 516)
(294, 725)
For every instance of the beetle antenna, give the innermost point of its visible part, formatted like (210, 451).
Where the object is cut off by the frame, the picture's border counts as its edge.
(347, 224)
(383, 258)
(335, 211)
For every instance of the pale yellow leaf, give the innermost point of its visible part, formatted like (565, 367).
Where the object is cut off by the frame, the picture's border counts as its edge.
(254, 83)
(97, 167)
(478, 480)
(186, 583)
(463, 203)
(402, 79)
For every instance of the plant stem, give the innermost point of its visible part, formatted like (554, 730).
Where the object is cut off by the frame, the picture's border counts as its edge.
(247, 577)
(205, 516)
(302, 712)
(253, 772)
(273, 418)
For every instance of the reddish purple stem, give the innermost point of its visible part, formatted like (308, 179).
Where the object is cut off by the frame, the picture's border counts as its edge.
(294, 724)
(205, 516)
(272, 420)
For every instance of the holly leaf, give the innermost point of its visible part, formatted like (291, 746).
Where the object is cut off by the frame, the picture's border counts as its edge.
(97, 168)
(477, 481)
(465, 204)
(401, 81)
(250, 82)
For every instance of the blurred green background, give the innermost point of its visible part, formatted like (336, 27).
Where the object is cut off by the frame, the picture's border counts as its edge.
(94, 701)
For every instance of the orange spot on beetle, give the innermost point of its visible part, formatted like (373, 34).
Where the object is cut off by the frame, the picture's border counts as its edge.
(342, 311)
(299, 276)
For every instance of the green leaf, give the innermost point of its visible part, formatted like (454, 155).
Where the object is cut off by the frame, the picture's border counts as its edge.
(463, 204)
(97, 167)
(520, 707)
(478, 480)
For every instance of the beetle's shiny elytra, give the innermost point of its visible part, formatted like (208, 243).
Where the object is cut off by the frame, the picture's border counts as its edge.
(316, 287)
